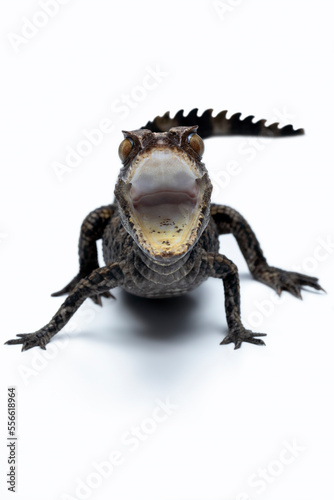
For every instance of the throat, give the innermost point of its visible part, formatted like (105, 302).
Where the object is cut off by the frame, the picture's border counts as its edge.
(168, 272)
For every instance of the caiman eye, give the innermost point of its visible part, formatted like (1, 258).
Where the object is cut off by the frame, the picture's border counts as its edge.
(125, 148)
(196, 143)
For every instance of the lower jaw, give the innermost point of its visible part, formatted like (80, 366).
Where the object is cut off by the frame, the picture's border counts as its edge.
(166, 230)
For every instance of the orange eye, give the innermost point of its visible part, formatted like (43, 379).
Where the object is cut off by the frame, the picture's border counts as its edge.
(125, 148)
(196, 143)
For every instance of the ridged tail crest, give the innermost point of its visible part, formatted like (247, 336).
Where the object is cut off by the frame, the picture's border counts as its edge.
(219, 125)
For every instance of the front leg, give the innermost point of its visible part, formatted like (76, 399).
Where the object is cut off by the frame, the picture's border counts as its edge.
(221, 267)
(92, 230)
(98, 282)
(229, 220)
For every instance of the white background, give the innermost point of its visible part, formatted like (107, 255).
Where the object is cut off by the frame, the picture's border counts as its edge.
(237, 411)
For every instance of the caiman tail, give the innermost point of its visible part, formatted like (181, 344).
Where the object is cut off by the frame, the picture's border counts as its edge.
(219, 125)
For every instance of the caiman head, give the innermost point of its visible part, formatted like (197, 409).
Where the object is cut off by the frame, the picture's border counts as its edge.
(163, 191)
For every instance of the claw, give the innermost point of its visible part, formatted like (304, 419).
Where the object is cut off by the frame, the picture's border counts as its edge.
(97, 298)
(242, 335)
(26, 347)
(294, 290)
(288, 281)
(71, 285)
(63, 291)
(29, 340)
(237, 345)
(13, 342)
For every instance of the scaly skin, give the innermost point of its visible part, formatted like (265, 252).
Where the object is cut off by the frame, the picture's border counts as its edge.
(92, 230)
(214, 126)
(136, 263)
(228, 221)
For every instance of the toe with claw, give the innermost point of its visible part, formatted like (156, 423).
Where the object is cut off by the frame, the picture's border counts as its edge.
(72, 284)
(97, 298)
(240, 335)
(292, 282)
(29, 340)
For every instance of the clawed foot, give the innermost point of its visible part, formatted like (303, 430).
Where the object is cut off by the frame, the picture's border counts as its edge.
(72, 284)
(292, 282)
(97, 298)
(29, 340)
(240, 335)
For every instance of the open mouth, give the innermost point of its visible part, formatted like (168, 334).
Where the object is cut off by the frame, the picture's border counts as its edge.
(165, 194)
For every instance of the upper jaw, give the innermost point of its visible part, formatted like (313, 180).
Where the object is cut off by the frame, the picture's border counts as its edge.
(161, 172)
(164, 201)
